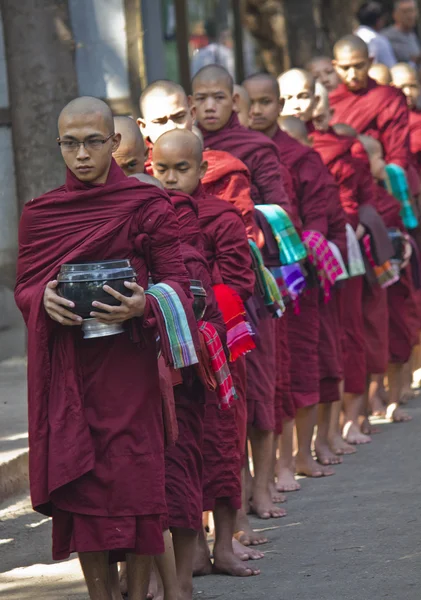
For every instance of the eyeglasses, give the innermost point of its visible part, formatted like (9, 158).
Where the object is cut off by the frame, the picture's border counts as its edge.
(89, 144)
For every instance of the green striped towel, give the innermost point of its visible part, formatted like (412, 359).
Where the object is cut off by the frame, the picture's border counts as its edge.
(291, 248)
(397, 184)
(176, 325)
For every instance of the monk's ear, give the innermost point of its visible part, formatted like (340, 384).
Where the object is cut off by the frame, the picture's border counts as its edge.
(203, 168)
(193, 112)
(281, 105)
(142, 125)
(190, 100)
(235, 103)
(116, 141)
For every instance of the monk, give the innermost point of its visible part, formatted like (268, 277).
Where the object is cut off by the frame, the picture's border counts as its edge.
(356, 189)
(397, 294)
(113, 418)
(179, 166)
(372, 109)
(165, 93)
(243, 105)
(322, 69)
(380, 73)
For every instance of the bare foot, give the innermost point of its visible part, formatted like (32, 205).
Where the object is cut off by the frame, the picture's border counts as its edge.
(325, 456)
(228, 564)
(202, 563)
(245, 534)
(396, 414)
(244, 552)
(367, 428)
(277, 497)
(407, 395)
(262, 506)
(339, 446)
(306, 466)
(378, 407)
(286, 481)
(353, 435)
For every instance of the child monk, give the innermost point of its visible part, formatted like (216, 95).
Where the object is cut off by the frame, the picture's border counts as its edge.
(323, 71)
(398, 294)
(178, 165)
(380, 73)
(215, 102)
(113, 437)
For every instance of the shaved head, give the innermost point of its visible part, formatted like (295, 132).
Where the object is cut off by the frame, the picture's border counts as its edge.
(345, 129)
(405, 78)
(349, 44)
(85, 106)
(213, 73)
(380, 73)
(295, 128)
(199, 135)
(298, 94)
(266, 105)
(130, 155)
(162, 88)
(183, 141)
(286, 79)
(266, 78)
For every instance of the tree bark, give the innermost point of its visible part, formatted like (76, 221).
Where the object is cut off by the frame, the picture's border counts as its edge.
(42, 79)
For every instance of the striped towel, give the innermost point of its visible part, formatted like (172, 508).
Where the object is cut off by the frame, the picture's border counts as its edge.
(176, 326)
(397, 185)
(225, 388)
(386, 274)
(291, 248)
(321, 257)
(267, 283)
(355, 258)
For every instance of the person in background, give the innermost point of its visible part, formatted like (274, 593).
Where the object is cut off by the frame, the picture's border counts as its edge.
(372, 18)
(218, 52)
(401, 34)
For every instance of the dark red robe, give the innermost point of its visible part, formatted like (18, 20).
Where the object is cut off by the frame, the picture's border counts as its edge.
(228, 255)
(415, 136)
(95, 414)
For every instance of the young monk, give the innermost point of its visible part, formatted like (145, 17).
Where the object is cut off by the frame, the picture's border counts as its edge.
(111, 383)
(243, 105)
(154, 104)
(356, 189)
(322, 69)
(399, 340)
(179, 166)
(380, 73)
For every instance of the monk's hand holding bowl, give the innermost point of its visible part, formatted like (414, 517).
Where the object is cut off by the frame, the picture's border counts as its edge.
(55, 306)
(130, 307)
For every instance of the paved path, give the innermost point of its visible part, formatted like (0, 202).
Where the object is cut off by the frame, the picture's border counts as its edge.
(355, 536)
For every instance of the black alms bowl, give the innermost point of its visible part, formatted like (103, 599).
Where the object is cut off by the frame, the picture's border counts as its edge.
(83, 283)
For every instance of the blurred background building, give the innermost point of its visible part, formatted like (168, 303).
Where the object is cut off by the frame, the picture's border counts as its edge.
(54, 50)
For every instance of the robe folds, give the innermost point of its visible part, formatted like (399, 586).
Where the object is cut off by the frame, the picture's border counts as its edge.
(184, 460)
(379, 111)
(95, 417)
(227, 253)
(415, 137)
(284, 404)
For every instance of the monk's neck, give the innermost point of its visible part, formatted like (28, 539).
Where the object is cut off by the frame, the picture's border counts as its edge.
(271, 131)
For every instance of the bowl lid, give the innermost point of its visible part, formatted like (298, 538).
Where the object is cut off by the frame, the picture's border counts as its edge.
(94, 271)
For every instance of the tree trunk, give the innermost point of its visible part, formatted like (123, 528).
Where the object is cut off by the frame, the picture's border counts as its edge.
(42, 79)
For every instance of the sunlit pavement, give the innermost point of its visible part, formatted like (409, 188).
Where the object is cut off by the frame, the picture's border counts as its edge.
(352, 536)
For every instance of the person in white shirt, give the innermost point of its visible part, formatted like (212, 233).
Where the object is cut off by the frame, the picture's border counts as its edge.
(402, 36)
(372, 19)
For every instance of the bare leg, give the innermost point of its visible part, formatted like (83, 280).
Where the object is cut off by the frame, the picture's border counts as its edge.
(407, 392)
(202, 564)
(138, 575)
(377, 406)
(324, 454)
(96, 571)
(305, 464)
(262, 447)
(352, 407)
(115, 582)
(285, 468)
(243, 530)
(337, 444)
(166, 566)
(277, 497)
(394, 413)
(225, 560)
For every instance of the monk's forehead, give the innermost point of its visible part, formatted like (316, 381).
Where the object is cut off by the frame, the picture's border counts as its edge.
(93, 122)
(350, 53)
(211, 85)
(295, 82)
(174, 150)
(161, 104)
(260, 86)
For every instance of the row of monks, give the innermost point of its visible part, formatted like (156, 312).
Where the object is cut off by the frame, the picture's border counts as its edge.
(280, 197)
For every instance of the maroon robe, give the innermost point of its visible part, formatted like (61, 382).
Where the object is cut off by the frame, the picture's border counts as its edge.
(228, 255)
(95, 415)
(415, 136)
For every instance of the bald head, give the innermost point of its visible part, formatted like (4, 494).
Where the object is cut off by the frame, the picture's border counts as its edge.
(295, 128)
(216, 74)
(177, 160)
(242, 104)
(130, 155)
(297, 89)
(405, 78)
(352, 62)
(265, 106)
(345, 129)
(264, 78)
(380, 73)
(164, 106)
(87, 106)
